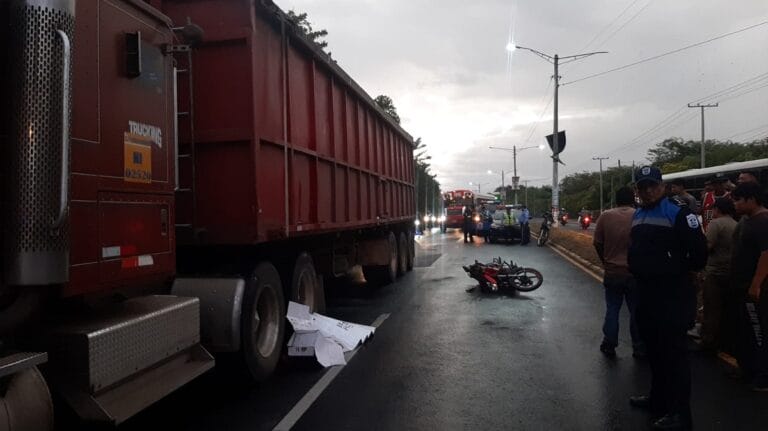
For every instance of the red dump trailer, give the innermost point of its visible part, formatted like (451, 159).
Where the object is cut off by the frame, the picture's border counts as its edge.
(175, 171)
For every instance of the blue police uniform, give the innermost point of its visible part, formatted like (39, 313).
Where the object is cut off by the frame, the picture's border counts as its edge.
(667, 244)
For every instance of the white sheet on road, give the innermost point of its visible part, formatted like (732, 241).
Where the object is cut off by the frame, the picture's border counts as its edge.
(329, 338)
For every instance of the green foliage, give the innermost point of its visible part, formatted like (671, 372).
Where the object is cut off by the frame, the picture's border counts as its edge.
(385, 103)
(675, 154)
(428, 195)
(303, 24)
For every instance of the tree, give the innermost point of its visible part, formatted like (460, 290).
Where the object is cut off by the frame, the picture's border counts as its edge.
(302, 23)
(385, 103)
(428, 196)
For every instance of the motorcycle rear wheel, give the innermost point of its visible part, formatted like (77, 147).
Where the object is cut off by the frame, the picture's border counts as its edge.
(527, 280)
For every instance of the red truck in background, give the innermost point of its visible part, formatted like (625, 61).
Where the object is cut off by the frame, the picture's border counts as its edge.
(454, 202)
(174, 172)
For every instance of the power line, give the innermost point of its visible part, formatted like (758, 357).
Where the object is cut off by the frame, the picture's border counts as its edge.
(609, 25)
(626, 23)
(678, 117)
(736, 87)
(675, 51)
(538, 121)
(764, 126)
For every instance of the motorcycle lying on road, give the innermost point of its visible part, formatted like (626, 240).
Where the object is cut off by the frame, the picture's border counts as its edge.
(501, 275)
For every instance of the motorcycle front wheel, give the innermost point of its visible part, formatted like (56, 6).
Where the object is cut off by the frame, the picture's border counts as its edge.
(543, 237)
(527, 280)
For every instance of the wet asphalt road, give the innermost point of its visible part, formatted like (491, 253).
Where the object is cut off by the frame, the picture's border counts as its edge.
(457, 360)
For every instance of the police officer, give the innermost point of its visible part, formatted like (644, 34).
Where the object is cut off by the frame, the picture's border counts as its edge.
(667, 245)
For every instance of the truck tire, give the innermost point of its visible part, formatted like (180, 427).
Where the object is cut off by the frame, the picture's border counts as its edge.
(263, 324)
(26, 403)
(403, 252)
(306, 288)
(380, 275)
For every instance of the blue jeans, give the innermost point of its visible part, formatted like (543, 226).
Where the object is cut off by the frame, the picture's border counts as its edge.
(619, 288)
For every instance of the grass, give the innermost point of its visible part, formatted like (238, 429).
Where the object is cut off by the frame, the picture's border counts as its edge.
(575, 242)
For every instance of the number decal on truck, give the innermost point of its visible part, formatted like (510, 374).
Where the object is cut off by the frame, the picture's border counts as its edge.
(137, 166)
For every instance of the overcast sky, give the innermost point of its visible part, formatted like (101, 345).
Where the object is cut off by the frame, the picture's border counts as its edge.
(445, 66)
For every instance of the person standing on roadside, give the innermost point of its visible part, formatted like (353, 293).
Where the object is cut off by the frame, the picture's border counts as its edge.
(611, 241)
(746, 177)
(667, 244)
(733, 301)
(717, 273)
(718, 191)
(749, 273)
(677, 186)
(525, 232)
(468, 225)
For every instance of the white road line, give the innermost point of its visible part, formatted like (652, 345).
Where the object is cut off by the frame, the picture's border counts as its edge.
(314, 393)
(577, 264)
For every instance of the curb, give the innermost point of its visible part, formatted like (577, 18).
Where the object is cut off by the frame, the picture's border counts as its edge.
(579, 262)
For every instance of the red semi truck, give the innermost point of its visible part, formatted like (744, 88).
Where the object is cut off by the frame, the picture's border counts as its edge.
(175, 171)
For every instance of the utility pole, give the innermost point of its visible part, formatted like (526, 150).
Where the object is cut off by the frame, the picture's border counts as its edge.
(600, 159)
(698, 105)
(515, 178)
(555, 144)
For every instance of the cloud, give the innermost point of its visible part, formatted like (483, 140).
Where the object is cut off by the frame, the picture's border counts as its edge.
(446, 69)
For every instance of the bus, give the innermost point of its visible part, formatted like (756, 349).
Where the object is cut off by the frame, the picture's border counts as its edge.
(695, 178)
(454, 202)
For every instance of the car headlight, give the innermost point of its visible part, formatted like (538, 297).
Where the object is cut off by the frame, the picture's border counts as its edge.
(426, 219)
(441, 219)
(477, 218)
(433, 219)
(416, 223)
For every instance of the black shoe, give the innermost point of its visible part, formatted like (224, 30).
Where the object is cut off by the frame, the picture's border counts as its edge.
(641, 402)
(671, 422)
(608, 350)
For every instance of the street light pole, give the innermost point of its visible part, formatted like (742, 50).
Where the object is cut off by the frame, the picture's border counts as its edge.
(555, 144)
(555, 150)
(515, 178)
(601, 179)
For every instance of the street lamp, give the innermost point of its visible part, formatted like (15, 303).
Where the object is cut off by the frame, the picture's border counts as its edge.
(515, 178)
(478, 185)
(555, 145)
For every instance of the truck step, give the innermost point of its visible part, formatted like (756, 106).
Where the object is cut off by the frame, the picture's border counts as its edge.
(107, 354)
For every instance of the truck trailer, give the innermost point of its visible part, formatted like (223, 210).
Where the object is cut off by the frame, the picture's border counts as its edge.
(173, 173)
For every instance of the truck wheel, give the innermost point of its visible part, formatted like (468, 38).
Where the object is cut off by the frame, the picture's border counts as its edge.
(305, 287)
(381, 275)
(263, 321)
(26, 403)
(403, 251)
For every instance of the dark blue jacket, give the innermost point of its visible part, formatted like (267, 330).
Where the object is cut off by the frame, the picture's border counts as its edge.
(667, 242)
